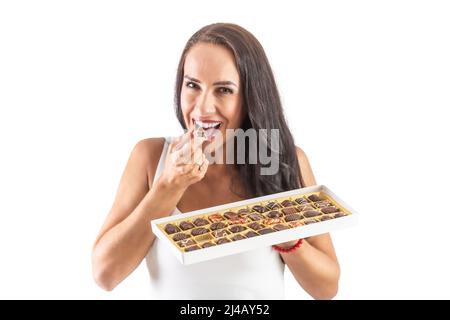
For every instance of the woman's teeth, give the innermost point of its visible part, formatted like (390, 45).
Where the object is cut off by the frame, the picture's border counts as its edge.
(206, 125)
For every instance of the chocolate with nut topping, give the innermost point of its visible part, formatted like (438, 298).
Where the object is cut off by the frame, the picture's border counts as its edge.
(216, 217)
(272, 221)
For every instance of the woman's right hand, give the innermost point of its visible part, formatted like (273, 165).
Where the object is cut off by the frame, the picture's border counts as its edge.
(185, 162)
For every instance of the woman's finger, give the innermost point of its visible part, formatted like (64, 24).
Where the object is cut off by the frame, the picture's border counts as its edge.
(184, 139)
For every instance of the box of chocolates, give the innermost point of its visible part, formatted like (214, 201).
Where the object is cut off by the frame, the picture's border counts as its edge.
(253, 223)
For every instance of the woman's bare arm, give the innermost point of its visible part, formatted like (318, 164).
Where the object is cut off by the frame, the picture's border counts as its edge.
(314, 265)
(126, 236)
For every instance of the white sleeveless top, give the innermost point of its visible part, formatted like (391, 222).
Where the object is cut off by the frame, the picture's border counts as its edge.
(256, 274)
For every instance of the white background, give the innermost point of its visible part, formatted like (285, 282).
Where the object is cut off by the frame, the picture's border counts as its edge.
(365, 86)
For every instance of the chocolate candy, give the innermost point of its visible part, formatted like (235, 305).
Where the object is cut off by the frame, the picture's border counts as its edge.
(255, 226)
(280, 227)
(296, 223)
(200, 222)
(186, 243)
(208, 244)
(222, 241)
(287, 203)
(231, 215)
(314, 198)
(328, 210)
(274, 214)
(237, 237)
(338, 215)
(186, 225)
(273, 205)
(199, 231)
(255, 216)
(290, 210)
(251, 234)
(259, 209)
(292, 217)
(271, 221)
(220, 233)
(217, 226)
(301, 200)
(237, 228)
(266, 231)
(305, 207)
(199, 132)
(323, 204)
(170, 228)
(216, 217)
(311, 213)
(192, 248)
(180, 236)
(237, 221)
(243, 212)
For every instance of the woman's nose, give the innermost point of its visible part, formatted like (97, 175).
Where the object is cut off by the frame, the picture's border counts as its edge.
(206, 104)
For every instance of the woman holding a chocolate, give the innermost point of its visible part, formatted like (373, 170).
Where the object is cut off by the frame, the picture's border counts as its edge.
(224, 82)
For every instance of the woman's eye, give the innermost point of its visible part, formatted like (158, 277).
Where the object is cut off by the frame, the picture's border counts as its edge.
(191, 85)
(225, 90)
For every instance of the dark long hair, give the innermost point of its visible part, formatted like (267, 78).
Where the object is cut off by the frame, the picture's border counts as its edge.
(261, 102)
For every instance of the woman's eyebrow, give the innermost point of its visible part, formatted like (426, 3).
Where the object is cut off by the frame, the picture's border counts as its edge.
(192, 79)
(224, 83)
(217, 83)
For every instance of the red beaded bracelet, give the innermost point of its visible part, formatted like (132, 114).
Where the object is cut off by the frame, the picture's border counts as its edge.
(293, 248)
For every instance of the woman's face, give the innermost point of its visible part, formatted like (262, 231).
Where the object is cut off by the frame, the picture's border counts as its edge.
(211, 95)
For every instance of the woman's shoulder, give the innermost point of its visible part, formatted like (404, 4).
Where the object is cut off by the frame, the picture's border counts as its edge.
(147, 152)
(305, 167)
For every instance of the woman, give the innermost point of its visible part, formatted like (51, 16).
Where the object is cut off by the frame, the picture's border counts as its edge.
(224, 79)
